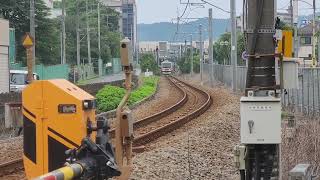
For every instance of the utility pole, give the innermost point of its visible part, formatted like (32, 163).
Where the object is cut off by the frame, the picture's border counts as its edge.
(295, 25)
(314, 61)
(201, 52)
(99, 42)
(63, 32)
(319, 48)
(210, 47)
(296, 42)
(259, 157)
(78, 34)
(88, 34)
(191, 54)
(291, 12)
(33, 33)
(185, 48)
(233, 44)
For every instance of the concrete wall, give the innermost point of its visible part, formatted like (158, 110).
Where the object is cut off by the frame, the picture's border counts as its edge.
(4, 56)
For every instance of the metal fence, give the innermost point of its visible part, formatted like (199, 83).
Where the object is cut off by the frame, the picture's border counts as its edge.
(223, 73)
(47, 72)
(305, 99)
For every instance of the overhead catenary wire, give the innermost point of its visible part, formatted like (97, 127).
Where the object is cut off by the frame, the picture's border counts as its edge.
(215, 6)
(185, 9)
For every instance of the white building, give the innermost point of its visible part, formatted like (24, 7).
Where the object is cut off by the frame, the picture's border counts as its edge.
(148, 46)
(305, 40)
(4, 56)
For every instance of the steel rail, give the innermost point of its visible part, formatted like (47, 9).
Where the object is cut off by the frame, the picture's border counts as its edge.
(152, 118)
(11, 167)
(152, 135)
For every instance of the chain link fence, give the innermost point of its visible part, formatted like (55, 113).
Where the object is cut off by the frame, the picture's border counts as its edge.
(305, 99)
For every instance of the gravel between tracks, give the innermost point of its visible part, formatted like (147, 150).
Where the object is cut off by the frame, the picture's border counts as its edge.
(10, 149)
(167, 95)
(201, 149)
(195, 100)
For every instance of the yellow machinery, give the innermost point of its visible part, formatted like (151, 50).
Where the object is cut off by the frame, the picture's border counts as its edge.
(285, 45)
(63, 139)
(55, 115)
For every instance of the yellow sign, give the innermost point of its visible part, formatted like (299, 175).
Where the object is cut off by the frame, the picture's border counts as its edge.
(27, 41)
(285, 45)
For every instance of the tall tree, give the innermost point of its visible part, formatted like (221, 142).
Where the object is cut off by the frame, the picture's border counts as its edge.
(222, 48)
(47, 33)
(110, 36)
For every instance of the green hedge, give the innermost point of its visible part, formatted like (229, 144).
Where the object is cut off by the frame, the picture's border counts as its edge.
(109, 97)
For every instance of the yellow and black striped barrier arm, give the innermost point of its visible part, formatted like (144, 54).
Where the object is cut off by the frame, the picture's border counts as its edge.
(66, 173)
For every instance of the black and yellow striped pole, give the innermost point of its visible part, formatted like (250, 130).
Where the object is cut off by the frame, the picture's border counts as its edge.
(66, 173)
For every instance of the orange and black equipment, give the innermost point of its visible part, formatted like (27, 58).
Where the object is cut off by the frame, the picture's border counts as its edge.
(60, 127)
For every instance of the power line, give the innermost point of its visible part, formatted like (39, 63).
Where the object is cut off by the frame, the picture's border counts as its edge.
(185, 9)
(217, 7)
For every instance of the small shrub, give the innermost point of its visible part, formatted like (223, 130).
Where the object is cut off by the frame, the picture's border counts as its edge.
(109, 97)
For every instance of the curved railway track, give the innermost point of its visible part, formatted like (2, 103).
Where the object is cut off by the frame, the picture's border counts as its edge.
(198, 102)
(194, 102)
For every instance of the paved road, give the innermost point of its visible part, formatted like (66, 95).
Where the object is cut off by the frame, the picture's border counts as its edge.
(110, 78)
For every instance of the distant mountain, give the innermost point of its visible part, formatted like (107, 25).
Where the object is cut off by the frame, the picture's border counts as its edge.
(164, 31)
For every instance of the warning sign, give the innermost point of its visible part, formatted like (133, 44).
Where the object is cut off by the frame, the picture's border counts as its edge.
(27, 41)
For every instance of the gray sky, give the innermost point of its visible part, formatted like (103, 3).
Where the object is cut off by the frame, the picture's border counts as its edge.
(150, 11)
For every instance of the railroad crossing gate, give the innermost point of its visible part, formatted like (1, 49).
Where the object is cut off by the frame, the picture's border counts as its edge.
(55, 118)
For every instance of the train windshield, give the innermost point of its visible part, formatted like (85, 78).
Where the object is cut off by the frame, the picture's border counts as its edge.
(166, 65)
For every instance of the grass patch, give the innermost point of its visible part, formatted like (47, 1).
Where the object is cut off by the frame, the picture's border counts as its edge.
(109, 97)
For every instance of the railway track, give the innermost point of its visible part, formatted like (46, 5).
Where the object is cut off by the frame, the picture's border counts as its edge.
(194, 102)
(198, 101)
(11, 167)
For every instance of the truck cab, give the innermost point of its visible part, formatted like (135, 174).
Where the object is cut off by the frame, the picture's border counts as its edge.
(18, 80)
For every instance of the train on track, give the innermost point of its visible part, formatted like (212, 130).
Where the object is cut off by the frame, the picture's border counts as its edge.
(167, 67)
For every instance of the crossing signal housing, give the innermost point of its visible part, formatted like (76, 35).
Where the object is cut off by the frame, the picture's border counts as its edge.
(55, 115)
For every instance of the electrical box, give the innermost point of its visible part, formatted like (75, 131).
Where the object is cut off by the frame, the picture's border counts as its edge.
(260, 120)
(239, 157)
(301, 172)
(126, 52)
(126, 123)
(290, 73)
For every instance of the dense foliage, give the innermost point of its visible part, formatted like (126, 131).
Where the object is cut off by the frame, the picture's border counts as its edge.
(48, 30)
(110, 36)
(148, 61)
(185, 62)
(109, 97)
(148, 88)
(221, 51)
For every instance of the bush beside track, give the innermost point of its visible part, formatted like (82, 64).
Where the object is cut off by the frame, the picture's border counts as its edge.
(109, 97)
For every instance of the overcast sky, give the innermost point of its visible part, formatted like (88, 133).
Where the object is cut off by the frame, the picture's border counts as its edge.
(150, 11)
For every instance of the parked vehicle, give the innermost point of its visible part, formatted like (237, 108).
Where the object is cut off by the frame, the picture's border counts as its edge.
(18, 80)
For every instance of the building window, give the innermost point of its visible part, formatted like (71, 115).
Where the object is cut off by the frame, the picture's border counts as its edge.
(305, 40)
